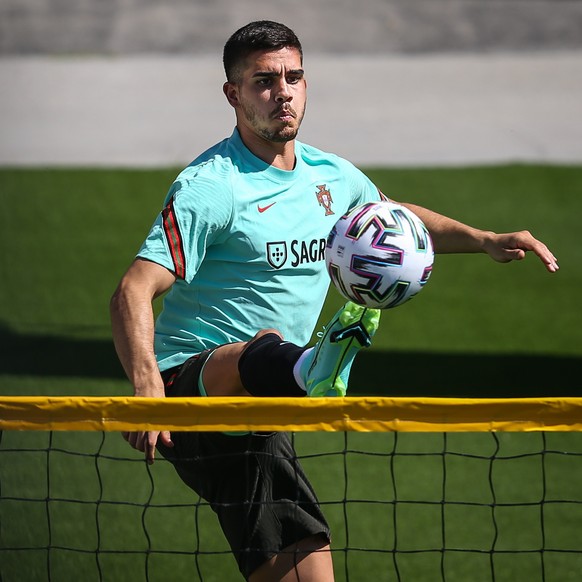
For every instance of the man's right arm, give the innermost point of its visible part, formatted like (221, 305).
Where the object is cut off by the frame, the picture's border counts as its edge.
(132, 323)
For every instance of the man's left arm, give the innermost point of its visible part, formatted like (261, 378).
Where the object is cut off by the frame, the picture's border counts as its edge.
(452, 236)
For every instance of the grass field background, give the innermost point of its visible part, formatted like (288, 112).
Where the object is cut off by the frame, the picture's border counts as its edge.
(479, 329)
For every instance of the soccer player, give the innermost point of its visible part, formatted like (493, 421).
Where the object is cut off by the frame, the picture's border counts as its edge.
(238, 246)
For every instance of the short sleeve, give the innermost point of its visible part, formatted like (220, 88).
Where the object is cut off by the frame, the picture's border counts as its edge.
(196, 211)
(361, 187)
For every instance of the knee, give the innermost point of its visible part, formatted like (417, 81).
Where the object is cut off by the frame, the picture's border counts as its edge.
(221, 376)
(265, 365)
(262, 333)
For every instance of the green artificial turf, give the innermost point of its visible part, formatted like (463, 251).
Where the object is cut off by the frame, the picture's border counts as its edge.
(86, 503)
(68, 235)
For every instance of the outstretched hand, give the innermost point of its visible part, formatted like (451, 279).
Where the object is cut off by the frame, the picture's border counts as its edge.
(513, 246)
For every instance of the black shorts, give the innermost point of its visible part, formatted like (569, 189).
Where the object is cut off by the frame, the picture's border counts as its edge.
(253, 482)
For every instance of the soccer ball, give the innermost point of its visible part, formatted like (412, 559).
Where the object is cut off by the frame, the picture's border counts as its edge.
(379, 254)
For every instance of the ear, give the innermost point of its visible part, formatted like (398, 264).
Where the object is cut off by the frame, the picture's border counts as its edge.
(231, 92)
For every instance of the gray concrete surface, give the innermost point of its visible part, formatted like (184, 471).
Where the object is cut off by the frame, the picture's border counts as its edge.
(374, 110)
(117, 27)
(392, 82)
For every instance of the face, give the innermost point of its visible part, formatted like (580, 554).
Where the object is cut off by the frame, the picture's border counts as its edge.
(270, 95)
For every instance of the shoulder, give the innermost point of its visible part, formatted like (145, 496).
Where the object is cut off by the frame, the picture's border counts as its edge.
(337, 170)
(333, 165)
(317, 157)
(205, 186)
(212, 167)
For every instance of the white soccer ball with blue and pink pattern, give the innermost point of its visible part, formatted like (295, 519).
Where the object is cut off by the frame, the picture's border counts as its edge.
(379, 255)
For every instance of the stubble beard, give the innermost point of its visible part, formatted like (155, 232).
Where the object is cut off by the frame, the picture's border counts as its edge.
(276, 135)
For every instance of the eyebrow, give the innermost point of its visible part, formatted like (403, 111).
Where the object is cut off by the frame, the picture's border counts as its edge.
(272, 74)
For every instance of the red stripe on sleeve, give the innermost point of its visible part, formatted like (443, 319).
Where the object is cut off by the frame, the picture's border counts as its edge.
(174, 239)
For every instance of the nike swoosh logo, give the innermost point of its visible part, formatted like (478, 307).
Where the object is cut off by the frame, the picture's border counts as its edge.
(262, 209)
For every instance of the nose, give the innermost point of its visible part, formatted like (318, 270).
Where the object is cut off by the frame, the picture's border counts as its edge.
(283, 92)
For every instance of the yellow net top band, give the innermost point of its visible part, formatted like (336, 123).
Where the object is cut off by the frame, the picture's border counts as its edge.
(290, 414)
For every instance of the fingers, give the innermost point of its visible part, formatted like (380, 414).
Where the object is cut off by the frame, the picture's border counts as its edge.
(150, 446)
(547, 258)
(550, 262)
(527, 242)
(146, 442)
(166, 438)
(513, 247)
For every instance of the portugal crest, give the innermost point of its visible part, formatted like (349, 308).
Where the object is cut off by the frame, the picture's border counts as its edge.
(324, 198)
(276, 254)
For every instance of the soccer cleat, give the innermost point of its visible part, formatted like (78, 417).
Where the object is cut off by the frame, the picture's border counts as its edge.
(327, 368)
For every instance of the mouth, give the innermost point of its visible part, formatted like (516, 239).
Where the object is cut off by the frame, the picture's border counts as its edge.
(285, 114)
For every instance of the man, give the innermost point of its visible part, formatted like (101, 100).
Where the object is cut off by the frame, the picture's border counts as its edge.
(244, 298)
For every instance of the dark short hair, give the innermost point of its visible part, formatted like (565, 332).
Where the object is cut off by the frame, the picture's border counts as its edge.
(259, 35)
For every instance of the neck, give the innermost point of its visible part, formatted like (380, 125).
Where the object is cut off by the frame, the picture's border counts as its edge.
(279, 155)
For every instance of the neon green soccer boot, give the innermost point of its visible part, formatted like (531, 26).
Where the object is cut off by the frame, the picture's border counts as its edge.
(327, 368)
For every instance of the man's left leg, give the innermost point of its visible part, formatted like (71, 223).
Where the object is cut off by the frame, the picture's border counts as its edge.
(309, 560)
(269, 366)
(221, 375)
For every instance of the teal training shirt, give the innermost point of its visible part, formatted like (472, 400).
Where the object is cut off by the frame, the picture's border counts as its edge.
(246, 242)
